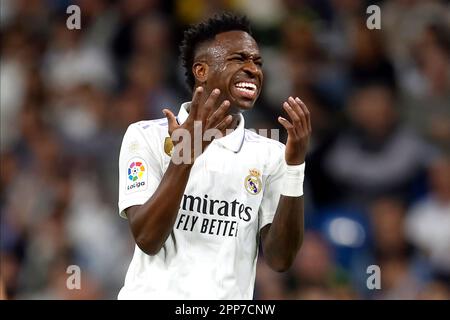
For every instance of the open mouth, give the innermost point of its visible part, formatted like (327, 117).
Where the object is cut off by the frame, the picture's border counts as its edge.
(246, 89)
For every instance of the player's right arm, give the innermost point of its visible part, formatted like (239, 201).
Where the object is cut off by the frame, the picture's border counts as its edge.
(152, 222)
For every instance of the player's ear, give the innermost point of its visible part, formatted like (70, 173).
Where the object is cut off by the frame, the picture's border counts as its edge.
(200, 71)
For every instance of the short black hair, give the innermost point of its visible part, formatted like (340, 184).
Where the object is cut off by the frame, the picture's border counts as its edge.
(197, 34)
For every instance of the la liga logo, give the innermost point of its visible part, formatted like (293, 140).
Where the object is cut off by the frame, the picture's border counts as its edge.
(136, 171)
(136, 175)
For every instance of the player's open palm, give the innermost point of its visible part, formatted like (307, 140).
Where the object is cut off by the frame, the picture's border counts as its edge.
(205, 122)
(298, 128)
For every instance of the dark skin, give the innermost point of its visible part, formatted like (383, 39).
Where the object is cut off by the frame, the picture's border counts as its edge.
(232, 57)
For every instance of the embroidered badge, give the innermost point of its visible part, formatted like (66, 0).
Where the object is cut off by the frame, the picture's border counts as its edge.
(252, 182)
(168, 146)
(133, 147)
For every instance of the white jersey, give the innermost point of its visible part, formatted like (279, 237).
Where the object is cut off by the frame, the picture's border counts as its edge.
(232, 192)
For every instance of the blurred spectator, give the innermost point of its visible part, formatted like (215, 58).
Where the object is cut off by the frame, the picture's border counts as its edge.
(10, 269)
(398, 281)
(99, 22)
(293, 67)
(152, 37)
(147, 79)
(401, 274)
(403, 20)
(79, 115)
(264, 14)
(335, 35)
(12, 83)
(57, 288)
(435, 291)
(428, 222)
(68, 62)
(376, 155)
(130, 14)
(92, 229)
(427, 86)
(314, 274)
(2, 290)
(369, 62)
(191, 11)
(387, 217)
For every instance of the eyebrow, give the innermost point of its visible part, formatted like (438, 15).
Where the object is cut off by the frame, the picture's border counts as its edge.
(247, 55)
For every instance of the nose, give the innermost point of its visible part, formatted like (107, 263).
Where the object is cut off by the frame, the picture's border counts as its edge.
(251, 69)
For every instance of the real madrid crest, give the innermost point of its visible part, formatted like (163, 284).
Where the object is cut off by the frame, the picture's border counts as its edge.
(252, 182)
(168, 146)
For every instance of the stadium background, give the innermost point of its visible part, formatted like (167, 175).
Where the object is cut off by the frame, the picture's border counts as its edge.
(378, 170)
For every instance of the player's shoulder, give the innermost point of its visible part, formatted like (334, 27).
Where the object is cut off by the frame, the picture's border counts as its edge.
(151, 131)
(146, 125)
(254, 138)
(148, 128)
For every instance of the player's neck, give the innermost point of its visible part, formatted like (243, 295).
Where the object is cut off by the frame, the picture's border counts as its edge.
(235, 112)
(235, 122)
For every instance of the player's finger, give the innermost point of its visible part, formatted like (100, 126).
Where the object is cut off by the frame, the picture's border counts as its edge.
(306, 112)
(287, 125)
(299, 112)
(219, 114)
(208, 107)
(225, 123)
(171, 120)
(195, 102)
(295, 119)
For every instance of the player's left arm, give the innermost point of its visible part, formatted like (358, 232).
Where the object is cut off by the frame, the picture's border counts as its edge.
(282, 239)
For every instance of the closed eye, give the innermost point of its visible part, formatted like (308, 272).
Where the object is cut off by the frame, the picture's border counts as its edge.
(257, 61)
(237, 58)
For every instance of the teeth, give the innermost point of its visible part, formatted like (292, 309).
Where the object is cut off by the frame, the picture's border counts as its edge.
(246, 90)
(247, 86)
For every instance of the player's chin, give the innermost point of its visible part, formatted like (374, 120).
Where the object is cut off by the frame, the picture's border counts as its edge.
(244, 104)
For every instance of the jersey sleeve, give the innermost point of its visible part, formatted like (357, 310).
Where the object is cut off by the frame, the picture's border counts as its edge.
(272, 189)
(140, 169)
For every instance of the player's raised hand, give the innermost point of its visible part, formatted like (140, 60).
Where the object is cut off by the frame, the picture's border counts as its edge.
(205, 121)
(298, 128)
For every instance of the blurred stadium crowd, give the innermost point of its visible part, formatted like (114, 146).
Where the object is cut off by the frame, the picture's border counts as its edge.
(378, 171)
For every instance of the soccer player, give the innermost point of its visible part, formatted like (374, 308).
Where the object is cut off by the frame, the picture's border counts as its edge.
(198, 216)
